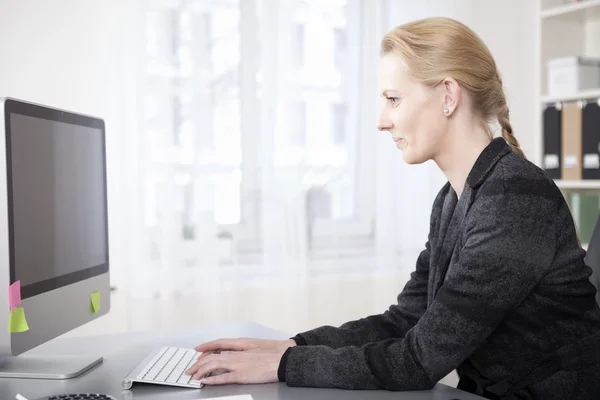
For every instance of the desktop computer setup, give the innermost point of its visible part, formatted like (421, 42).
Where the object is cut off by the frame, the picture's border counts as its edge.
(54, 250)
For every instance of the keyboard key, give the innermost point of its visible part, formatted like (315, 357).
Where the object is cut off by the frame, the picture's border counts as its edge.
(161, 377)
(150, 376)
(174, 376)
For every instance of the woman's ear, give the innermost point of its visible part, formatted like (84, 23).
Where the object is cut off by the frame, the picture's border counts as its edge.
(452, 94)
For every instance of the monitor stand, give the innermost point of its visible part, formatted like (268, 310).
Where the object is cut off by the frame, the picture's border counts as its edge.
(46, 367)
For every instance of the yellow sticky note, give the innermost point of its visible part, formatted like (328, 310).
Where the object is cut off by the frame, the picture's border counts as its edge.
(95, 302)
(16, 321)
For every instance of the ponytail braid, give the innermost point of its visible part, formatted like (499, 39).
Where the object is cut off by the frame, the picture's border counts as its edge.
(507, 132)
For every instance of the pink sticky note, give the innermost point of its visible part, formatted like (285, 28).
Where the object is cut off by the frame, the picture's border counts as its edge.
(14, 295)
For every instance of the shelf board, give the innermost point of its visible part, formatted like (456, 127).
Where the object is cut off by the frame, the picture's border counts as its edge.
(591, 184)
(584, 94)
(578, 11)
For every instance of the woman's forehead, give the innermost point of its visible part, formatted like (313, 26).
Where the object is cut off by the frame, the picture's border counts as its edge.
(394, 74)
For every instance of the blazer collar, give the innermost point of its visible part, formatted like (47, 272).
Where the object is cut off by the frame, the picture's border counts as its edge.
(453, 216)
(455, 210)
(492, 153)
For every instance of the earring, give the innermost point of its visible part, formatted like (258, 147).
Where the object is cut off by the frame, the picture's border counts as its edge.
(446, 111)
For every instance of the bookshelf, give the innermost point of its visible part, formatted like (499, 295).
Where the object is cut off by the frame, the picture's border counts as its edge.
(579, 185)
(568, 28)
(590, 94)
(570, 10)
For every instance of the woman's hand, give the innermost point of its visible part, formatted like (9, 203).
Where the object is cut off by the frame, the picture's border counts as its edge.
(243, 344)
(244, 360)
(241, 367)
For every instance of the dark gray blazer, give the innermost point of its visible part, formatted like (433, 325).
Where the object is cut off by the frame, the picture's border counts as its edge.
(501, 293)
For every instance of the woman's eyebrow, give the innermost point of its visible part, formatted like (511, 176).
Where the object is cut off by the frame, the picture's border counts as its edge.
(387, 92)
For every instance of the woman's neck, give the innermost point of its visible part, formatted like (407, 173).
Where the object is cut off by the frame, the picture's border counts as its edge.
(458, 156)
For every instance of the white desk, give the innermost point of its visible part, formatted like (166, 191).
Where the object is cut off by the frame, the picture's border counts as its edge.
(122, 352)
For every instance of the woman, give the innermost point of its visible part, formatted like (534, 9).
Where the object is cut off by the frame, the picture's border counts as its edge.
(501, 292)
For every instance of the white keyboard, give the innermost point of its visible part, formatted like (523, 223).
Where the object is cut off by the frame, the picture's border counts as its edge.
(165, 366)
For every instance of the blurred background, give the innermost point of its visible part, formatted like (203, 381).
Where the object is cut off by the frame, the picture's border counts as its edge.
(246, 178)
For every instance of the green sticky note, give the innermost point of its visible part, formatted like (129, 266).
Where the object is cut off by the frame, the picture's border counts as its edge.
(95, 302)
(16, 321)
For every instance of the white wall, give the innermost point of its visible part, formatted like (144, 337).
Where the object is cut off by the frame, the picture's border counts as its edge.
(508, 28)
(405, 193)
(76, 55)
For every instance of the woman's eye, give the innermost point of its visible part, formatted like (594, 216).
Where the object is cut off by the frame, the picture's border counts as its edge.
(394, 100)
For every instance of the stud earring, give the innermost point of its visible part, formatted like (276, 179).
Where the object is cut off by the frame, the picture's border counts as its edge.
(446, 111)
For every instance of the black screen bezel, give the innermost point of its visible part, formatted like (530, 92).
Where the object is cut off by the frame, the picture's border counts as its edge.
(11, 107)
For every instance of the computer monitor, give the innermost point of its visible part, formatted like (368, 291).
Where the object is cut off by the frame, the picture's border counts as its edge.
(54, 263)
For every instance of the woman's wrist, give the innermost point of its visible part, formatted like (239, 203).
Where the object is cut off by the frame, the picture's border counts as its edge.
(281, 370)
(299, 340)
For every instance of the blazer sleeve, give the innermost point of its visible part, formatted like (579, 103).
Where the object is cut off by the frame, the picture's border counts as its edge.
(398, 319)
(393, 323)
(507, 246)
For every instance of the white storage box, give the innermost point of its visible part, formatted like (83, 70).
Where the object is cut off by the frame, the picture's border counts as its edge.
(569, 75)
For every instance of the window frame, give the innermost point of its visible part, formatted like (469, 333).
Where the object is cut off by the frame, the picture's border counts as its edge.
(361, 144)
(247, 233)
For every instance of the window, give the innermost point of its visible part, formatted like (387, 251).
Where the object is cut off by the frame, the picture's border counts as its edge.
(340, 47)
(297, 125)
(231, 92)
(299, 45)
(176, 120)
(338, 127)
(330, 84)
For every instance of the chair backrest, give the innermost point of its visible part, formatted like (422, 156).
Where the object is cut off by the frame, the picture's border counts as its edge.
(593, 258)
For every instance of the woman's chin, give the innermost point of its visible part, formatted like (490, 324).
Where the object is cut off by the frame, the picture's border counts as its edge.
(411, 158)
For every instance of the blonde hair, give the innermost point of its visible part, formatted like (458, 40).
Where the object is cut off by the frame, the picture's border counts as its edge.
(438, 48)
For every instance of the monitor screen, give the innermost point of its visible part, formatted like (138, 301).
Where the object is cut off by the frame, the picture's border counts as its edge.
(57, 200)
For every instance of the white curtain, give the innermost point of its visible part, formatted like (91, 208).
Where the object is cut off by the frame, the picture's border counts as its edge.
(257, 144)
(267, 194)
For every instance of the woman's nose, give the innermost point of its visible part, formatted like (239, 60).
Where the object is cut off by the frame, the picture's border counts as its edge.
(383, 124)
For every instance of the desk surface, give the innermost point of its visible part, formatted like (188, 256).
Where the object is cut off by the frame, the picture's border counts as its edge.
(122, 352)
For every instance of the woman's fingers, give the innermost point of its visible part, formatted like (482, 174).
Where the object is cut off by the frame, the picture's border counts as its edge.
(198, 369)
(222, 379)
(209, 367)
(208, 353)
(197, 365)
(242, 367)
(224, 344)
(211, 346)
